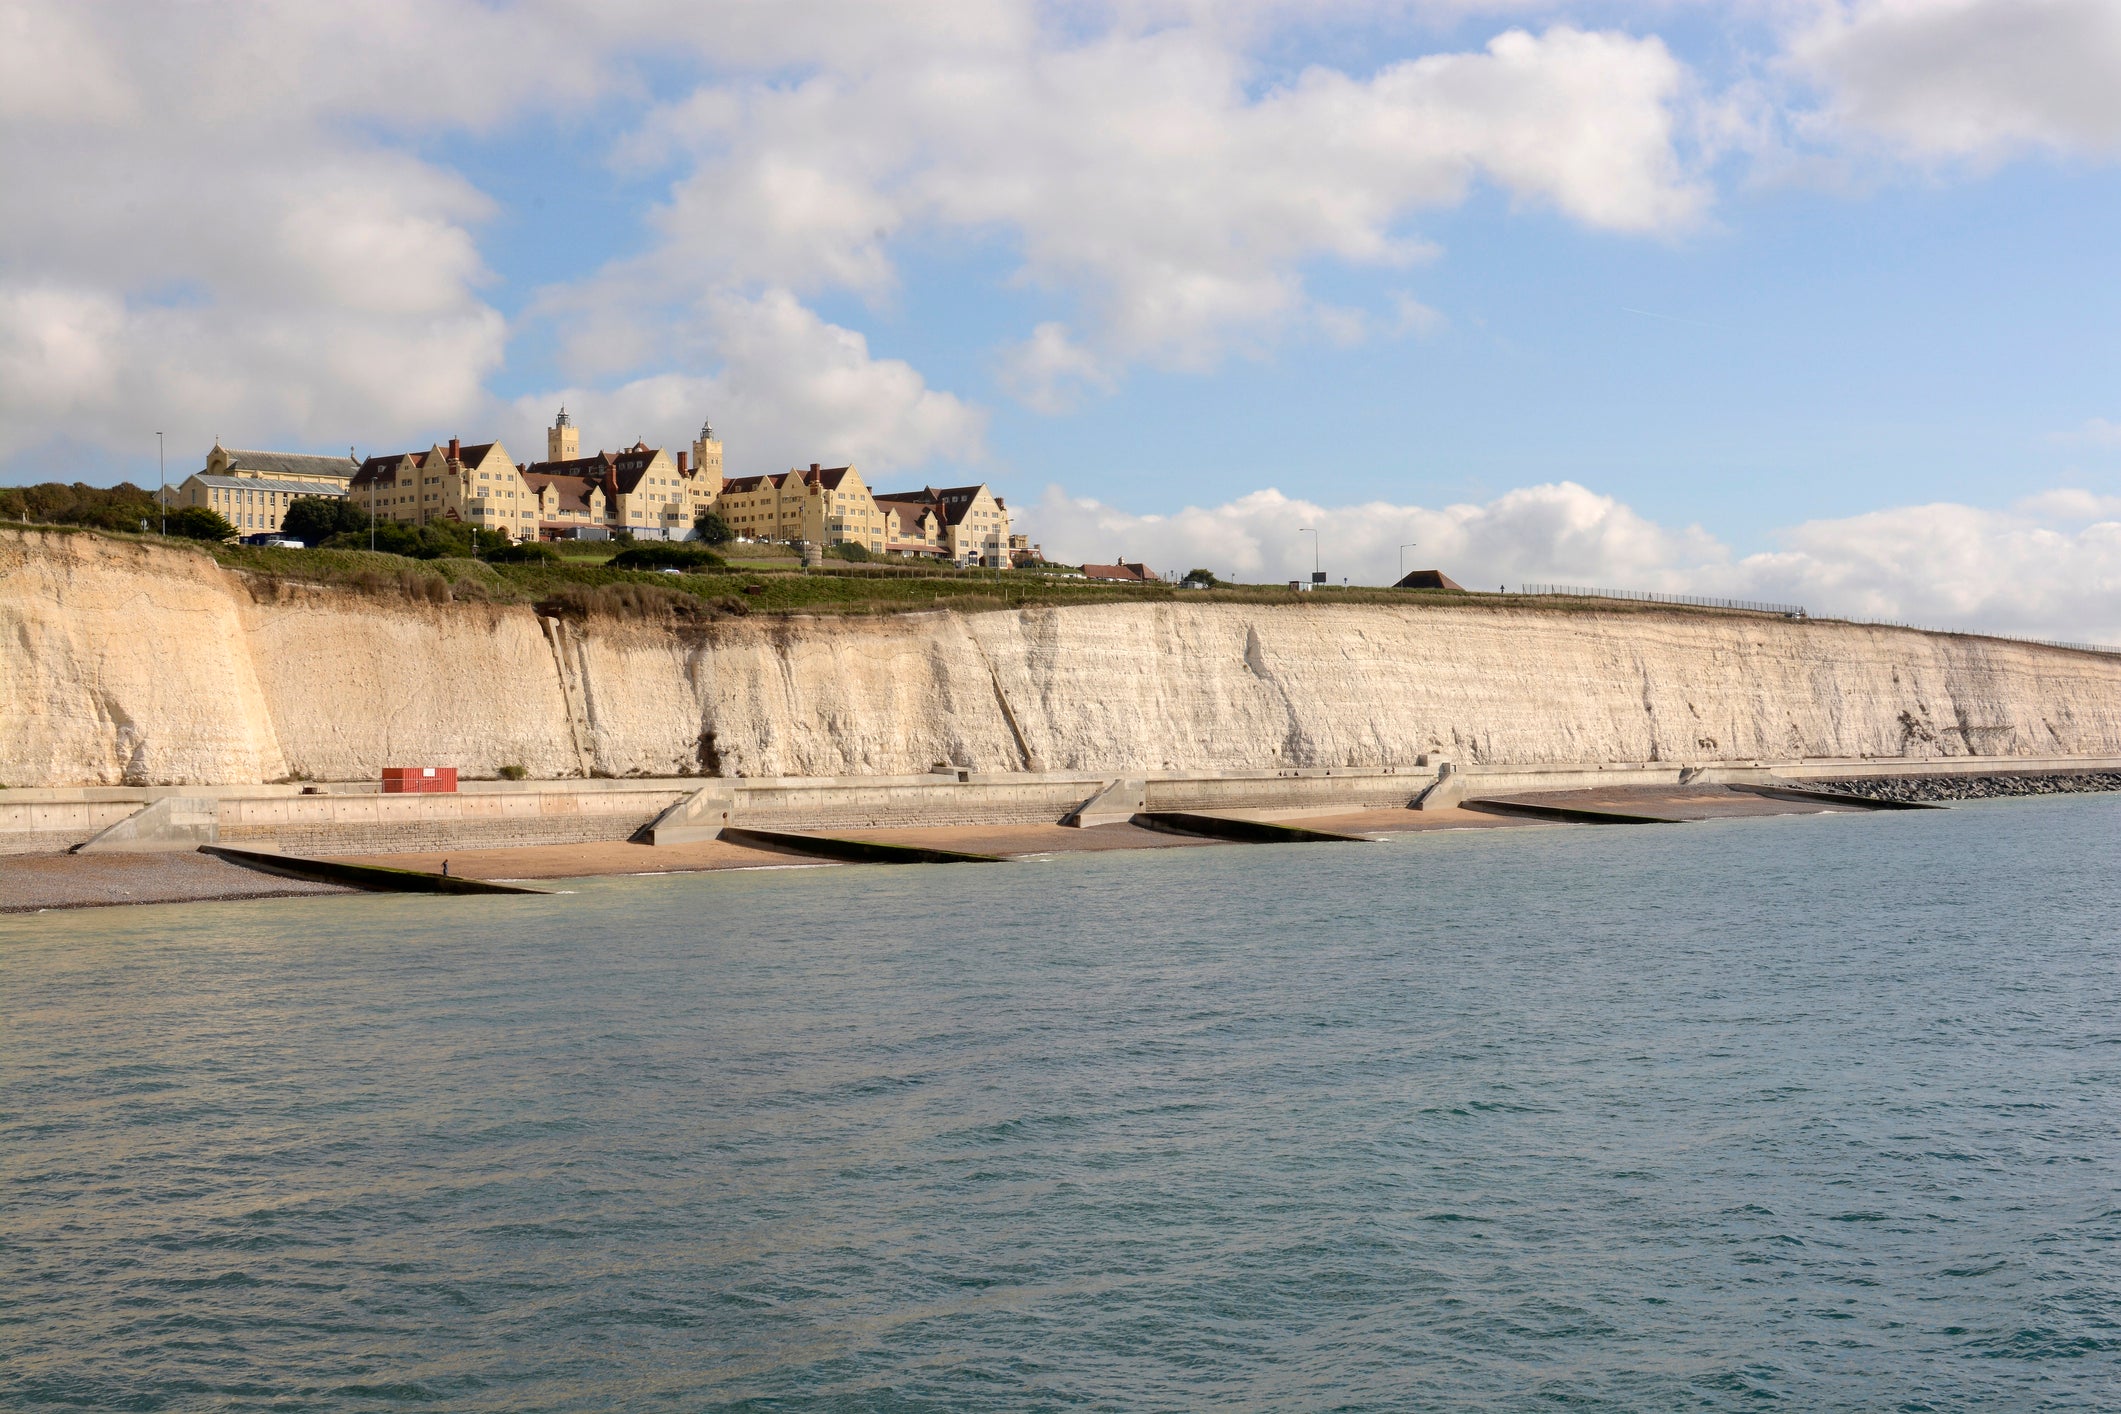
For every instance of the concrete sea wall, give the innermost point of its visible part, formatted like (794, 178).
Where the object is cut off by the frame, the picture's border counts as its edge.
(128, 664)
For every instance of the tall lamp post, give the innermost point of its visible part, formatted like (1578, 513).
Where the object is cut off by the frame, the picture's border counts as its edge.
(1317, 575)
(1411, 544)
(162, 471)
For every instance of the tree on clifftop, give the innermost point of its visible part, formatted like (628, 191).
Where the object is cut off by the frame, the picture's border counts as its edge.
(713, 529)
(199, 523)
(315, 519)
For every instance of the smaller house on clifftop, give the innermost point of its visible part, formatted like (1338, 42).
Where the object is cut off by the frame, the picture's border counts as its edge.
(1125, 572)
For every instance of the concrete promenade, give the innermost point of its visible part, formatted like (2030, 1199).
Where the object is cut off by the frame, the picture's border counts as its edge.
(357, 819)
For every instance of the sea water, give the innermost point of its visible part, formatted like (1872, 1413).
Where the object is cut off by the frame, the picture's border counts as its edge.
(1814, 1112)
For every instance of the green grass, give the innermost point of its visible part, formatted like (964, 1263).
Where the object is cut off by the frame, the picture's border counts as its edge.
(774, 584)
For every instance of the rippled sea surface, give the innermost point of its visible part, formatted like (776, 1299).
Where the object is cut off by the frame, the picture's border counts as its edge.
(1820, 1112)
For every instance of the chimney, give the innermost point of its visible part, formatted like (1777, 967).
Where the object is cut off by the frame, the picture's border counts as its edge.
(456, 449)
(681, 463)
(813, 468)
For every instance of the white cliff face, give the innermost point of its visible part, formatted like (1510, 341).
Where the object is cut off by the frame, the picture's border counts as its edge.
(122, 663)
(127, 664)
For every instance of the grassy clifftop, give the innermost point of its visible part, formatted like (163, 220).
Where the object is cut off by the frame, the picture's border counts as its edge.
(768, 580)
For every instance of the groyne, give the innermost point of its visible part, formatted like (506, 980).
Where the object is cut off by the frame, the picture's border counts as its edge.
(127, 664)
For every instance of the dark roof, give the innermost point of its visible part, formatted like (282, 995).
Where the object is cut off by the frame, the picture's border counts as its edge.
(910, 509)
(267, 483)
(828, 477)
(950, 502)
(376, 468)
(474, 454)
(745, 485)
(574, 490)
(596, 465)
(1134, 572)
(290, 463)
(1429, 579)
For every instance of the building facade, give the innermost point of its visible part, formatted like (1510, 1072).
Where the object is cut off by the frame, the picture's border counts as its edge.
(476, 485)
(966, 525)
(641, 490)
(252, 490)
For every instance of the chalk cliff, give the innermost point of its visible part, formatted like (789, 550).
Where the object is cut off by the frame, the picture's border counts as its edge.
(122, 663)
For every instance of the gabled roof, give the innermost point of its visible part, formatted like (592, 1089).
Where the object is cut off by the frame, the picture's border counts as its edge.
(573, 490)
(829, 477)
(630, 465)
(290, 463)
(949, 502)
(1131, 572)
(746, 485)
(376, 468)
(617, 472)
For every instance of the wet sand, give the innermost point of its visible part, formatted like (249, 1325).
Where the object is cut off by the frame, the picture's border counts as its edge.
(581, 861)
(1677, 802)
(30, 882)
(1395, 821)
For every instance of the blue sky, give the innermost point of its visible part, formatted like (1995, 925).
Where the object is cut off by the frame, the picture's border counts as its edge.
(1803, 299)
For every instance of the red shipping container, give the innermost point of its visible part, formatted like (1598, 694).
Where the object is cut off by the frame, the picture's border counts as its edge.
(419, 780)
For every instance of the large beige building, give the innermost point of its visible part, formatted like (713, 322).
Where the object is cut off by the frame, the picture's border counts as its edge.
(252, 490)
(833, 505)
(476, 485)
(641, 489)
(966, 525)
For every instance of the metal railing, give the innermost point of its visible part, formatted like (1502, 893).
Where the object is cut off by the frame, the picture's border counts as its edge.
(1797, 611)
(1988, 633)
(1647, 596)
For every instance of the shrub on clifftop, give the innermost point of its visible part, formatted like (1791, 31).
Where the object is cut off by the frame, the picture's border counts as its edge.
(440, 539)
(120, 507)
(199, 523)
(666, 555)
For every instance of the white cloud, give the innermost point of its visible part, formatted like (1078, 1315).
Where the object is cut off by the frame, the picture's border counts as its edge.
(1049, 371)
(793, 389)
(1148, 174)
(1559, 532)
(1976, 79)
(2098, 431)
(211, 229)
(2049, 567)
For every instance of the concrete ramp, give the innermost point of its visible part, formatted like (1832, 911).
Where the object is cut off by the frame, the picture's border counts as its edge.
(173, 824)
(1116, 804)
(1448, 792)
(703, 815)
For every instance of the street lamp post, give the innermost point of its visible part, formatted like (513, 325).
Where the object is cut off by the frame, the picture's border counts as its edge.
(162, 472)
(1411, 544)
(1317, 575)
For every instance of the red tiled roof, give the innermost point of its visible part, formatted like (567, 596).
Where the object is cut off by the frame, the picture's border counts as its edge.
(1132, 573)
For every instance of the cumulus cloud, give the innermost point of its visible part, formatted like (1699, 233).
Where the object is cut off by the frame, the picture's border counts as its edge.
(210, 231)
(2048, 567)
(1148, 174)
(793, 389)
(1977, 79)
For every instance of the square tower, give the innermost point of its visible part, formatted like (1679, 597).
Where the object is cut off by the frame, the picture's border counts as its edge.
(563, 440)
